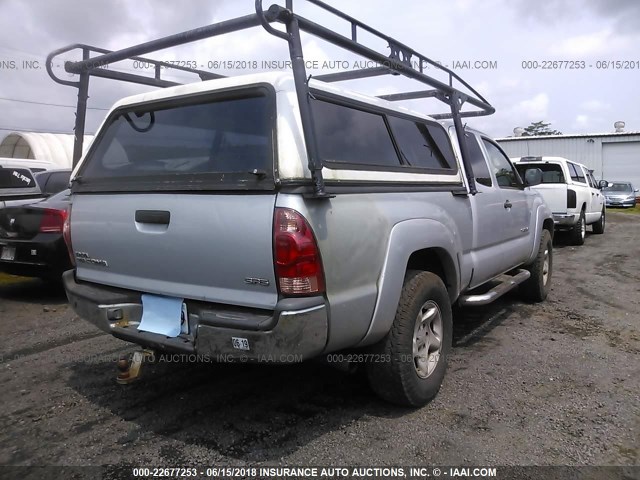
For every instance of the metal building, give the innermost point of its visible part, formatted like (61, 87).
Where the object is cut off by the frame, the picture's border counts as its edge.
(612, 156)
(53, 147)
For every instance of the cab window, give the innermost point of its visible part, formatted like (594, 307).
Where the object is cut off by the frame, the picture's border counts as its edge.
(505, 173)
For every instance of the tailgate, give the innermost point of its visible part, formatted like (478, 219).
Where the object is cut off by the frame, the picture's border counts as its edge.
(555, 196)
(187, 245)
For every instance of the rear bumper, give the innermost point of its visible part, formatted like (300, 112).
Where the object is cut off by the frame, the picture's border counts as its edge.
(43, 256)
(296, 331)
(565, 219)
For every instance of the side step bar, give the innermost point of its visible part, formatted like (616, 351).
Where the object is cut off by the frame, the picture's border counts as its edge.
(509, 283)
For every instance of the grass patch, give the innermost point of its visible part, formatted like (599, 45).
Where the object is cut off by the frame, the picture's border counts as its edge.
(632, 211)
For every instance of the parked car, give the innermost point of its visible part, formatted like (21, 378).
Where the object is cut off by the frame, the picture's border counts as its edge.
(572, 193)
(276, 217)
(17, 185)
(620, 194)
(31, 240)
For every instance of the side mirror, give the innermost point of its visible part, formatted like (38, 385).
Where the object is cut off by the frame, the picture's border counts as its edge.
(532, 177)
(637, 190)
(603, 184)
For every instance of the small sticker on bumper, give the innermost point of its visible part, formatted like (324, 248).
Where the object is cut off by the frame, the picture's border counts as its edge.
(240, 343)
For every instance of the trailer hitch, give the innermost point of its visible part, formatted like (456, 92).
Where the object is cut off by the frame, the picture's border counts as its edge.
(130, 367)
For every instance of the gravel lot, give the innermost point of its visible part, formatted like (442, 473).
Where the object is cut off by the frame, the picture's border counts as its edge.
(551, 384)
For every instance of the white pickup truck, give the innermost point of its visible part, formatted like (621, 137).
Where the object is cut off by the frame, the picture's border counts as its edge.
(570, 191)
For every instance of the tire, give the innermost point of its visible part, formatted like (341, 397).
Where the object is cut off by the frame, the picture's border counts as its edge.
(579, 231)
(598, 227)
(405, 376)
(536, 288)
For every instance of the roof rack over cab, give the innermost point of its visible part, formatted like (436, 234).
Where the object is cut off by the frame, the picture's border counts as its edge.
(402, 60)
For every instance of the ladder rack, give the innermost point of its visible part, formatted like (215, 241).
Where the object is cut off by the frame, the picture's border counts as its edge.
(402, 60)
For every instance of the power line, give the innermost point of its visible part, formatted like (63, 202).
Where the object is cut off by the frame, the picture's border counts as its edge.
(39, 130)
(47, 104)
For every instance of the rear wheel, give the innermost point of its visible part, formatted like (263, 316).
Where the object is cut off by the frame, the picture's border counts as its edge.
(415, 351)
(536, 288)
(598, 227)
(579, 231)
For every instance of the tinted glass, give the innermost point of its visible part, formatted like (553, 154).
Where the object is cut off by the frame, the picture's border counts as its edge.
(422, 144)
(478, 162)
(41, 178)
(57, 182)
(224, 136)
(350, 136)
(16, 178)
(551, 172)
(502, 168)
(619, 187)
(576, 173)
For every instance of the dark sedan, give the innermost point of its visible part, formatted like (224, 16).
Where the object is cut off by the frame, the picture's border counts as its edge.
(31, 238)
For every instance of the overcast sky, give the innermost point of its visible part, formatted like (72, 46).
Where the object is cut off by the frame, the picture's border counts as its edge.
(504, 32)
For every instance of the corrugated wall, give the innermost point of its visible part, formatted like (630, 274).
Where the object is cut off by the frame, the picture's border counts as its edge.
(585, 150)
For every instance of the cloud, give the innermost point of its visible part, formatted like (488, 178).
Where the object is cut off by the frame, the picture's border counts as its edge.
(623, 15)
(595, 105)
(533, 108)
(582, 122)
(590, 45)
(518, 31)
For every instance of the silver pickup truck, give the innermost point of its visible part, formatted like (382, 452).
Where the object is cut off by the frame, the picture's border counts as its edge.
(273, 218)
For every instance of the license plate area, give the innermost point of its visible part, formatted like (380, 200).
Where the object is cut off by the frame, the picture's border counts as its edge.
(166, 316)
(8, 253)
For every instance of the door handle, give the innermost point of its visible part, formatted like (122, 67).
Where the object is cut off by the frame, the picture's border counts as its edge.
(157, 217)
(507, 204)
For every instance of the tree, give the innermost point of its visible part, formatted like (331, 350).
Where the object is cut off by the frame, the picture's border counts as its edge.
(539, 128)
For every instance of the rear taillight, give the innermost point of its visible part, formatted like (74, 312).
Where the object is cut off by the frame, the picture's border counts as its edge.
(571, 198)
(296, 255)
(52, 220)
(66, 234)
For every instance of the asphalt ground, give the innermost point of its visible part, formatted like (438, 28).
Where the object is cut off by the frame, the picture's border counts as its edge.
(556, 383)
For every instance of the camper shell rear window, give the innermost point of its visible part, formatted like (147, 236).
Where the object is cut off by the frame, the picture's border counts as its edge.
(200, 142)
